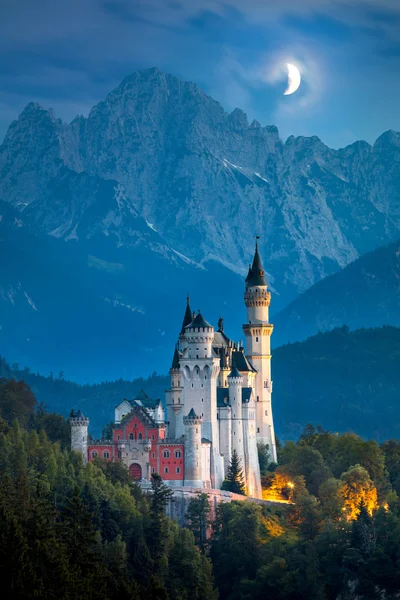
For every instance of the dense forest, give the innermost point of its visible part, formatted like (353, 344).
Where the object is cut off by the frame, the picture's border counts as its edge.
(343, 380)
(87, 532)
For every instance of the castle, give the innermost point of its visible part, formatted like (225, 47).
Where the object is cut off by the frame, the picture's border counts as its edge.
(219, 401)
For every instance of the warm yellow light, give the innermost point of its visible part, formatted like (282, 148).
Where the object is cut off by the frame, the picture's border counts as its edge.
(291, 484)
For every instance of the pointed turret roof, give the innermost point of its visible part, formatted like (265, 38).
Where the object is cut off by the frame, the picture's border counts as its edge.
(234, 373)
(199, 321)
(175, 360)
(188, 315)
(192, 414)
(256, 275)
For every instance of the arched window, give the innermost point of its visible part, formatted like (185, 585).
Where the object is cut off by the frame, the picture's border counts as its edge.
(94, 454)
(178, 470)
(166, 453)
(165, 469)
(177, 453)
(131, 436)
(140, 436)
(106, 455)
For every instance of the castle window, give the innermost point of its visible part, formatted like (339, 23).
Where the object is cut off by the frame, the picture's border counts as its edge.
(179, 383)
(179, 400)
(202, 399)
(202, 414)
(131, 436)
(178, 470)
(258, 430)
(152, 437)
(165, 469)
(177, 454)
(166, 453)
(266, 413)
(140, 436)
(106, 455)
(205, 356)
(197, 356)
(258, 398)
(94, 454)
(256, 339)
(118, 437)
(153, 470)
(153, 455)
(197, 431)
(192, 385)
(173, 401)
(205, 376)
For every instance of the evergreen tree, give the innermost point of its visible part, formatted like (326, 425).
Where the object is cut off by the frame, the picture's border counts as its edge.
(197, 515)
(161, 495)
(234, 480)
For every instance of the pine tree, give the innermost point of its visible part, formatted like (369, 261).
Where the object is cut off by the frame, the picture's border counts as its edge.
(161, 495)
(234, 481)
(198, 517)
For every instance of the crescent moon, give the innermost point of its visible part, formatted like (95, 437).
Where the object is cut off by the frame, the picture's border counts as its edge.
(294, 79)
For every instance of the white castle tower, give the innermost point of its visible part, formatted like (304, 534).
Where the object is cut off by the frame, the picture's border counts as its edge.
(258, 332)
(200, 369)
(79, 433)
(193, 454)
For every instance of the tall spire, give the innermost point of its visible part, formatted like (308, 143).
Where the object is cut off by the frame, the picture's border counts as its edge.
(256, 275)
(188, 318)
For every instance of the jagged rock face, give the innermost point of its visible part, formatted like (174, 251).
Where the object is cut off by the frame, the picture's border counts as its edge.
(207, 181)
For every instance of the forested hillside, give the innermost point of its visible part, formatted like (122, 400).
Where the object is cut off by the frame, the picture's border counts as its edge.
(88, 533)
(344, 380)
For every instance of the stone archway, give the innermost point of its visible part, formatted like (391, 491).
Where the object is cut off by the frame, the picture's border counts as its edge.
(135, 471)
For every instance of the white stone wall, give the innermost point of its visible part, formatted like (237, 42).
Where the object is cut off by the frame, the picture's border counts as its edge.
(206, 464)
(225, 434)
(200, 376)
(79, 436)
(121, 410)
(193, 455)
(252, 465)
(235, 400)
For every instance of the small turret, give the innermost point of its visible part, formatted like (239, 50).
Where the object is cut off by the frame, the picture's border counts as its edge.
(193, 467)
(79, 433)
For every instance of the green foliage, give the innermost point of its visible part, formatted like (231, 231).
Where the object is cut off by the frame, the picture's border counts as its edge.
(197, 516)
(263, 457)
(234, 480)
(71, 531)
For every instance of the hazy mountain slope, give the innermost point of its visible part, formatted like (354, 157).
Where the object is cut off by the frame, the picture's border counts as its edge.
(94, 310)
(342, 380)
(366, 293)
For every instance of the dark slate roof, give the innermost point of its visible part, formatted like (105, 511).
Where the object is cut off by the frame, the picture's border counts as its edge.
(192, 414)
(205, 441)
(146, 401)
(79, 415)
(240, 361)
(256, 275)
(187, 317)
(222, 397)
(246, 393)
(223, 394)
(234, 373)
(175, 360)
(198, 321)
(224, 359)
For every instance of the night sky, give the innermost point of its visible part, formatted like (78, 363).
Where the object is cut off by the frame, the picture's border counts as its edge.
(68, 55)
